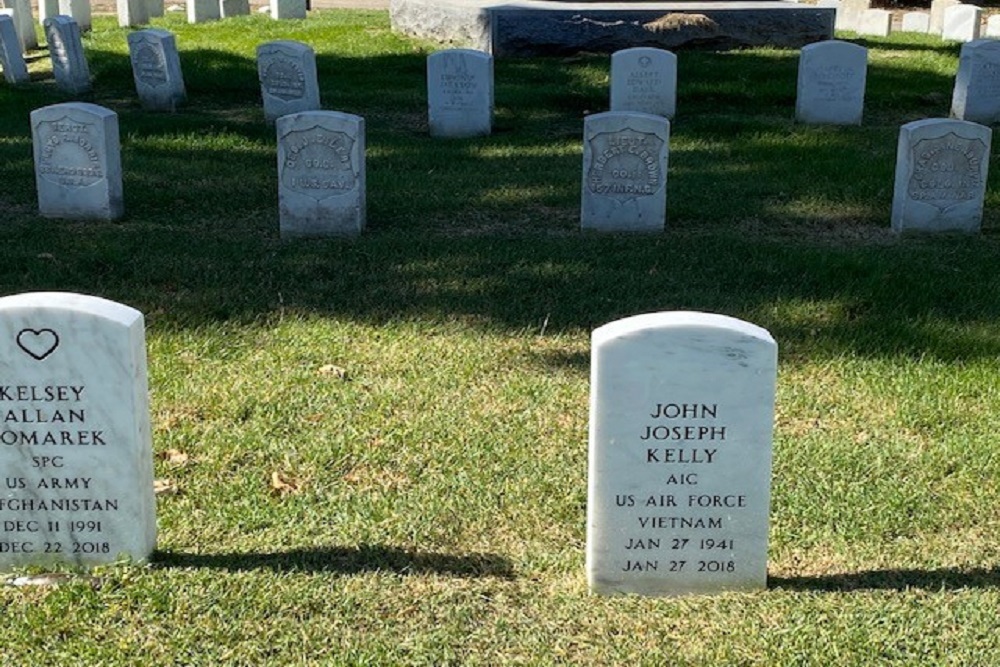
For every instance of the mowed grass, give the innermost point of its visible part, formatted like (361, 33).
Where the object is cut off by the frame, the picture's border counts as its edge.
(379, 444)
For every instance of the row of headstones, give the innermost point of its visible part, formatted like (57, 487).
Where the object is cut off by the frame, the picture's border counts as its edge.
(681, 415)
(941, 171)
(949, 19)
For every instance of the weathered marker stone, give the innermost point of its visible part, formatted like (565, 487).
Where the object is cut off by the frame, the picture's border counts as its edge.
(849, 14)
(69, 64)
(231, 8)
(11, 59)
(47, 8)
(154, 8)
(976, 96)
(831, 85)
(288, 81)
(644, 79)
(288, 9)
(132, 12)
(321, 174)
(79, 11)
(625, 172)
(24, 21)
(201, 11)
(937, 14)
(75, 447)
(875, 22)
(993, 26)
(78, 169)
(941, 168)
(916, 22)
(156, 69)
(460, 93)
(681, 414)
(962, 23)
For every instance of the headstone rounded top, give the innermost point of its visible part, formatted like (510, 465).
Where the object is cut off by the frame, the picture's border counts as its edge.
(465, 52)
(834, 44)
(81, 303)
(85, 107)
(945, 123)
(149, 32)
(679, 319)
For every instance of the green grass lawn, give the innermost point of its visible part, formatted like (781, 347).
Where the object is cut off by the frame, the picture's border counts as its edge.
(420, 393)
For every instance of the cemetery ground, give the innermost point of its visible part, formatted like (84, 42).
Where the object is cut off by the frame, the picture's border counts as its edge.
(374, 450)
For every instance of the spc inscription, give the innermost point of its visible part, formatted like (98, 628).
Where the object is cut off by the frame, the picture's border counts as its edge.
(318, 163)
(150, 66)
(947, 170)
(626, 164)
(68, 156)
(283, 78)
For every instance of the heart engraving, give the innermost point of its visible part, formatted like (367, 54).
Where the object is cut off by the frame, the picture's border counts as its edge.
(38, 343)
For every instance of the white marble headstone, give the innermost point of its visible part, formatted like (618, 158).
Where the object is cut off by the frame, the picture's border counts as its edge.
(321, 174)
(11, 59)
(132, 12)
(460, 93)
(941, 170)
(79, 11)
(624, 172)
(47, 8)
(916, 22)
(681, 415)
(201, 11)
(962, 23)
(69, 64)
(644, 79)
(831, 84)
(156, 69)
(75, 447)
(976, 96)
(993, 26)
(937, 14)
(288, 80)
(78, 170)
(849, 14)
(231, 8)
(24, 21)
(875, 22)
(288, 9)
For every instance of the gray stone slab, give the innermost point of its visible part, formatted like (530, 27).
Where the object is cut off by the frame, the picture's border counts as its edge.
(47, 8)
(14, 69)
(941, 170)
(231, 8)
(24, 22)
(624, 172)
(937, 14)
(962, 23)
(76, 450)
(288, 9)
(460, 93)
(156, 69)
(875, 23)
(69, 63)
(681, 420)
(542, 27)
(201, 11)
(321, 174)
(831, 83)
(78, 171)
(916, 22)
(79, 11)
(132, 12)
(644, 79)
(976, 96)
(288, 80)
(154, 8)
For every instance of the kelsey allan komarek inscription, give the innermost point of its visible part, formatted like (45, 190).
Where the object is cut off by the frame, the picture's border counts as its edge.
(680, 454)
(75, 443)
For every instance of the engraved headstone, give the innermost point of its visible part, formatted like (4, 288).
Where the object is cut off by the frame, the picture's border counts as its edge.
(976, 96)
(460, 93)
(132, 12)
(681, 415)
(11, 59)
(849, 15)
(24, 22)
(937, 14)
(69, 64)
(201, 11)
(624, 172)
(75, 448)
(78, 170)
(831, 84)
(916, 22)
(941, 169)
(79, 11)
(288, 9)
(156, 69)
(321, 174)
(644, 79)
(231, 8)
(962, 23)
(875, 22)
(288, 81)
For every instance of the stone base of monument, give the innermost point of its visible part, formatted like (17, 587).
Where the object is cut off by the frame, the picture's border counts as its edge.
(544, 27)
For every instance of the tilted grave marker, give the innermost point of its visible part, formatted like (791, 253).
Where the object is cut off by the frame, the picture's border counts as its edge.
(976, 96)
(14, 68)
(288, 80)
(69, 64)
(156, 69)
(831, 83)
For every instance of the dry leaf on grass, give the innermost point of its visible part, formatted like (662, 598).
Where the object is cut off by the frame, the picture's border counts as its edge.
(175, 457)
(284, 484)
(165, 487)
(336, 371)
(53, 579)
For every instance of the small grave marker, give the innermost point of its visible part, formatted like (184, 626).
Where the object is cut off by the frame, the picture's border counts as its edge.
(288, 9)
(875, 22)
(831, 84)
(231, 8)
(916, 22)
(624, 172)
(69, 64)
(75, 448)
(962, 23)
(681, 415)
(156, 69)
(78, 170)
(941, 169)
(132, 12)
(14, 69)
(644, 79)
(201, 11)
(24, 21)
(460, 93)
(849, 14)
(288, 81)
(321, 174)
(79, 11)
(937, 14)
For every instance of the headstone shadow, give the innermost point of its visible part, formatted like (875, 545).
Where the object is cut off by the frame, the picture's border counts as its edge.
(942, 579)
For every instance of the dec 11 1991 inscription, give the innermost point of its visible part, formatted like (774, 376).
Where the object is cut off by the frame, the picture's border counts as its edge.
(75, 444)
(680, 454)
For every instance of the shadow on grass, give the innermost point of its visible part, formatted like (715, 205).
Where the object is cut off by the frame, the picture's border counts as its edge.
(346, 560)
(945, 579)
